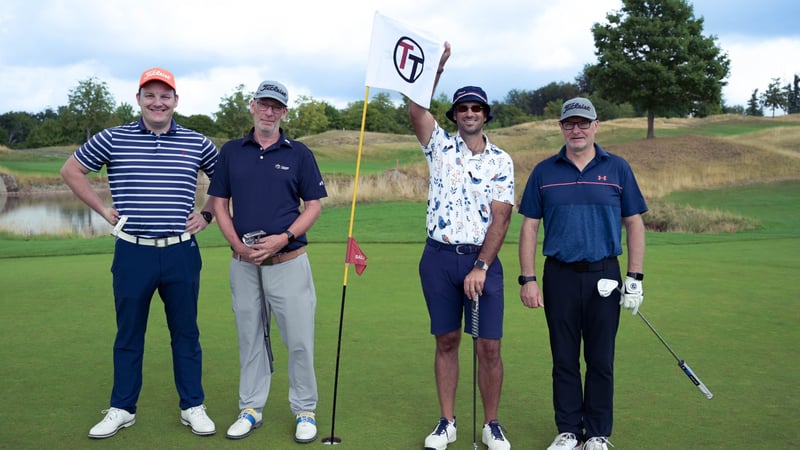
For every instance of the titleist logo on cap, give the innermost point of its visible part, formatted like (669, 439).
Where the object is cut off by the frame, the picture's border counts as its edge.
(571, 106)
(273, 88)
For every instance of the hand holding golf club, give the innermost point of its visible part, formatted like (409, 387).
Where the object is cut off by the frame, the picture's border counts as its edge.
(632, 296)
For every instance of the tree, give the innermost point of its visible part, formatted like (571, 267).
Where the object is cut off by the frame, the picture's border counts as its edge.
(17, 125)
(124, 113)
(794, 96)
(92, 106)
(233, 118)
(754, 105)
(652, 54)
(307, 117)
(199, 122)
(774, 97)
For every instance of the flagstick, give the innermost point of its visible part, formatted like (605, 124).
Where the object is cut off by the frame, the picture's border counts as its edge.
(333, 439)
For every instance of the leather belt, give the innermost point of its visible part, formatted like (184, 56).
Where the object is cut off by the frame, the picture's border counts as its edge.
(153, 242)
(278, 257)
(585, 266)
(460, 249)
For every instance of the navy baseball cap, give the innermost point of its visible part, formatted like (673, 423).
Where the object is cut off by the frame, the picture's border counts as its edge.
(470, 94)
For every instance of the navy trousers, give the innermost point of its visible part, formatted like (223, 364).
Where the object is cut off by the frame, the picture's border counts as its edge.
(575, 312)
(139, 272)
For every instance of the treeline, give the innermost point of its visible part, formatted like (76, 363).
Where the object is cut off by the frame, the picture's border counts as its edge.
(92, 108)
(653, 60)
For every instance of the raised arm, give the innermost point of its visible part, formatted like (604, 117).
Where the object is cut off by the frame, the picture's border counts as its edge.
(421, 118)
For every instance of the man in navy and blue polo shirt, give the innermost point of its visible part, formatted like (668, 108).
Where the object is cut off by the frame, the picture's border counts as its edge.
(470, 198)
(584, 195)
(153, 166)
(275, 186)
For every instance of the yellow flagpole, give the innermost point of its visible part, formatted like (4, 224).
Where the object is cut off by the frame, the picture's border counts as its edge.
(333, 439)
(358, 171)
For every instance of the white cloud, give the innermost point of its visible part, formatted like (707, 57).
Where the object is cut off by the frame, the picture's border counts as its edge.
(319, 48)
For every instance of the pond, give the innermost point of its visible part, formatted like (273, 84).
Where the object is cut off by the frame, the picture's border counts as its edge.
(57, 213)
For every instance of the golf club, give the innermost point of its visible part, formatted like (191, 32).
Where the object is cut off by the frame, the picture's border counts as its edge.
(605, 286)
(475, 322)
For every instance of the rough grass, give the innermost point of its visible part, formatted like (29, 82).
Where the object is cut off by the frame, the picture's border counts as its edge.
(687, 154)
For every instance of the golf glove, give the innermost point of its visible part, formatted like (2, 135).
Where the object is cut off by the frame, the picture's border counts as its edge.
(632, 296)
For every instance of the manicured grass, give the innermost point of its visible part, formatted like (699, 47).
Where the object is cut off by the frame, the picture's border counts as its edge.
(726, 303)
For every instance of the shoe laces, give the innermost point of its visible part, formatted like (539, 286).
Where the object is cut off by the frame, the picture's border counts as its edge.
(596, 442)
(564, 437)
(199, 410)
(247, 412)
(496, 430)
(306, 417)
(441, 428)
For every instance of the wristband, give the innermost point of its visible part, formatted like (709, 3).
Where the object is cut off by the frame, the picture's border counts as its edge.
(636, 275)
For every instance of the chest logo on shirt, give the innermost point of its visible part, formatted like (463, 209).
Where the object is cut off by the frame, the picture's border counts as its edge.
(602, 178)
(280, 167)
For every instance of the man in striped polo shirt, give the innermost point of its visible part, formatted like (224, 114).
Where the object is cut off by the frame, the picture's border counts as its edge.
(153, 165)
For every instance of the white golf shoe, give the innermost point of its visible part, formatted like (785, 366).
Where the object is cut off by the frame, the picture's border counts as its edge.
(115, 420)
(306, 430)
(443, 434)
(247, 421)
(597, 443)
(494, 438)
(197, 419)
(565, 441)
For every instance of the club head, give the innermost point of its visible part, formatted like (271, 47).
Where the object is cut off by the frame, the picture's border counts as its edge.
(606, 286)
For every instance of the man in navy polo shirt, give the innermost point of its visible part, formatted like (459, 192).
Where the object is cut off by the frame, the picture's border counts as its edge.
(470, 198)
(153, 166)
(267, 176)
(584, 195)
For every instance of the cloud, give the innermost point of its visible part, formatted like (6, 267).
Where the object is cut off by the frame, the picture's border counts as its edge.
(319, 48)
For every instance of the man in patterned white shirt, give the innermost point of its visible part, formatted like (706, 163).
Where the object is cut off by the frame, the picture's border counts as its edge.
(470, 198)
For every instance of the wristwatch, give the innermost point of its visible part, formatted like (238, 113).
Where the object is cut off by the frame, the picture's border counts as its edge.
(523, 279)
(289, 234)
(636, 275)
(207, 215)
(481, 264)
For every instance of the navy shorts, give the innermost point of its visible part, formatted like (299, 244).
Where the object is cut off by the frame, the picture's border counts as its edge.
(442, 270)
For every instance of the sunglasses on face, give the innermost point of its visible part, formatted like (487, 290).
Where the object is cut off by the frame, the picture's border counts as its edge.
(465, 108)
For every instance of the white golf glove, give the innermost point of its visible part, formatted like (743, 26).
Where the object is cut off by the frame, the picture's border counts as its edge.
(632, 297)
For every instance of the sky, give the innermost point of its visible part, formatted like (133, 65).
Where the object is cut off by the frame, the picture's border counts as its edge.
(319, 48)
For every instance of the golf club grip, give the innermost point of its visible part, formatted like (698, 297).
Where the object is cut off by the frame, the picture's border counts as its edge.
(475, 318)
(689, 373)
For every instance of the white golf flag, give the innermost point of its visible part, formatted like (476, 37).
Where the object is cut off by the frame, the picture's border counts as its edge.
(403, 60)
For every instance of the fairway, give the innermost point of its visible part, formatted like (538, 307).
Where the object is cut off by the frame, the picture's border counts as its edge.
(726, 303)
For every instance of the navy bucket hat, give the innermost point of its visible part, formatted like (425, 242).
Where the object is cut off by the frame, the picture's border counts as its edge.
(470, 94)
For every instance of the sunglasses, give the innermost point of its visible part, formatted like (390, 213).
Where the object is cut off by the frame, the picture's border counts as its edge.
(473, 108)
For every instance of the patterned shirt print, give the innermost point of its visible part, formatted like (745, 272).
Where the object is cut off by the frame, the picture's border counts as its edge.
(463, 186)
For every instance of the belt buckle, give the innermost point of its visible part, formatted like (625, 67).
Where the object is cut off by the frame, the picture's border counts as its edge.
(458, 249)
(161, 242)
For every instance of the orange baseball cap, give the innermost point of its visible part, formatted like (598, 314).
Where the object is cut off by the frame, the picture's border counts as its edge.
(157, 74)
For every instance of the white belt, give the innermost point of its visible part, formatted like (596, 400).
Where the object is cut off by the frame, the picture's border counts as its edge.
(157, 242)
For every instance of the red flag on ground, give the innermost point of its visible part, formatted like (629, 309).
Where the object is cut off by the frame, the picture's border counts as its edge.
(355, 256)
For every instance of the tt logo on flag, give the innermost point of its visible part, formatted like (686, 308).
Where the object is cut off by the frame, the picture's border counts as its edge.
(409, 59)
(397, 56)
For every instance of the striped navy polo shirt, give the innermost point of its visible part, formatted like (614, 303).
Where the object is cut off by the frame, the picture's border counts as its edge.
(152, 178)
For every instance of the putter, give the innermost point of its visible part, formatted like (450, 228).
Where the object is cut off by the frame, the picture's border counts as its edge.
(605, 286)
(475, 324)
